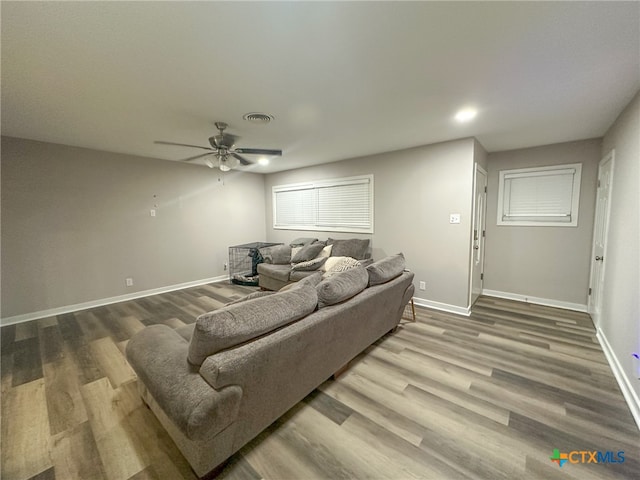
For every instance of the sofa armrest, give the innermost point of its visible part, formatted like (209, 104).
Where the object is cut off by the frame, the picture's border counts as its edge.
(158, 355)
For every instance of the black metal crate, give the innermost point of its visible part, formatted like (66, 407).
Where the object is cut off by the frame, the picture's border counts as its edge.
(243, 262)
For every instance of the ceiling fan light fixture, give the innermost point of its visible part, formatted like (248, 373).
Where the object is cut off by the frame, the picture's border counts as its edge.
(227, 163)
(208, 162)
(257, 117)
(263, 161)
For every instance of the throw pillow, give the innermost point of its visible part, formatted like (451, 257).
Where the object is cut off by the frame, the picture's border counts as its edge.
(342, 286)
(309, 265)
(386, 269)
(239, 323)
(326, 251)
(301, 242)
(307, 253)
(335, 265)
(353, 247)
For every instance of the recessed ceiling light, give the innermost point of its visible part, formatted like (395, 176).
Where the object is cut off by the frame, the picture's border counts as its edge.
(263, 161)
(466, 114)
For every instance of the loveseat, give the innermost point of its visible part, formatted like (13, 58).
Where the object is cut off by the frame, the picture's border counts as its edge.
(216, 384)
(285, 264)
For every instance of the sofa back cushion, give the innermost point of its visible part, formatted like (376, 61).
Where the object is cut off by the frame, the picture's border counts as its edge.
(302, 241)
(386, 269)
(342, 286)
(276, 254)
(251, 296)
(306, 253)
(353, 247)
(241, 322)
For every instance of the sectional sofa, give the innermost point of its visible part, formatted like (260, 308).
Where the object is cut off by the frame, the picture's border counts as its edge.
(216, 384)
(285, 264)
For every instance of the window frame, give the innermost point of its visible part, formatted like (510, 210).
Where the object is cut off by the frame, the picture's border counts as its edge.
(366, 226)
(545, 219)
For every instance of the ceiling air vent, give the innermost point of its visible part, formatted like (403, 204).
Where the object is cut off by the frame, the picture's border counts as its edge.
(261, 118)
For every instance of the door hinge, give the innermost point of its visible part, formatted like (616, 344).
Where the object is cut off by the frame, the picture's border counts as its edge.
(482, 276)
(598, 183)
(485, 189)
(589, 290)
(484, 233)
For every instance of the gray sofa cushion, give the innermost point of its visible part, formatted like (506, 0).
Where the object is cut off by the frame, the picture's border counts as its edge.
(311, 278)
(239, 323)
(306, 253)
(386, 269)
(157, 354)
(353, 247)
(277, 254)
(309, 265)
(303, 278)
(342, 286)
(251, 296)
(302, 241)
(186, 331)
(279, 272)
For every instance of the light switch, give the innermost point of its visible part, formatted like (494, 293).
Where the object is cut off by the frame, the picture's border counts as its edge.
(454, 218)
(152, 212)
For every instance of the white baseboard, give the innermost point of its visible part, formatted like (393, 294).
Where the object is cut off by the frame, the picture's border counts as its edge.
(549, 302)
(106, 301)
(624, 382)
(423, 302)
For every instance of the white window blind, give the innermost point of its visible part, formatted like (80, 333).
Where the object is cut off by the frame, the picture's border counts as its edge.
(344, 205)
(296, 207)
(539, 196)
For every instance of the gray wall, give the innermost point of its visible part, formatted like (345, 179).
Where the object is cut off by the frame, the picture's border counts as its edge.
(415, 191)
(480, 155)
(76, 222)
(620, 319)
(546, 262)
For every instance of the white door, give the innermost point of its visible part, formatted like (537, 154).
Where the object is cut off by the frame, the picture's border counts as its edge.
(600, 232)
(478, 233)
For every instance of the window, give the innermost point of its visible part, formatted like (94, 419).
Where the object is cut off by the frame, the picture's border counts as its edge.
(541, 196)
(340, 205)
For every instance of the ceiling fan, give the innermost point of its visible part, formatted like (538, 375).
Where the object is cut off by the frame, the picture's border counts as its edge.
(223, 148)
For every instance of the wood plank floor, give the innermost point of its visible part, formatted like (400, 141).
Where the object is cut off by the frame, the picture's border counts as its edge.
(483, 397)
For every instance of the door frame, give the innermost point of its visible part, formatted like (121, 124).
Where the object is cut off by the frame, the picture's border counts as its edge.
(477, 168)
(609, 157)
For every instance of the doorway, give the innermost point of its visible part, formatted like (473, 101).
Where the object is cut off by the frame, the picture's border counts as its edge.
(600, 235)
(478, 233)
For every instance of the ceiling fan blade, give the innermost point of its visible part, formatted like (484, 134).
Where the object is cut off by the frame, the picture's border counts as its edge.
(259, 151)
(243, 160)
(159, 142)
(196, 157)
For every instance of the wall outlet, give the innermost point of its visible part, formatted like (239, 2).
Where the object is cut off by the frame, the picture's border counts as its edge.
(454, 218)
(152, 212)
(225, 266)
(128, 282)
(423, 286)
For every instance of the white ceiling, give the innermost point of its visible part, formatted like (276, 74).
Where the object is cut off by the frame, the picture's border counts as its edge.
(342, 79)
